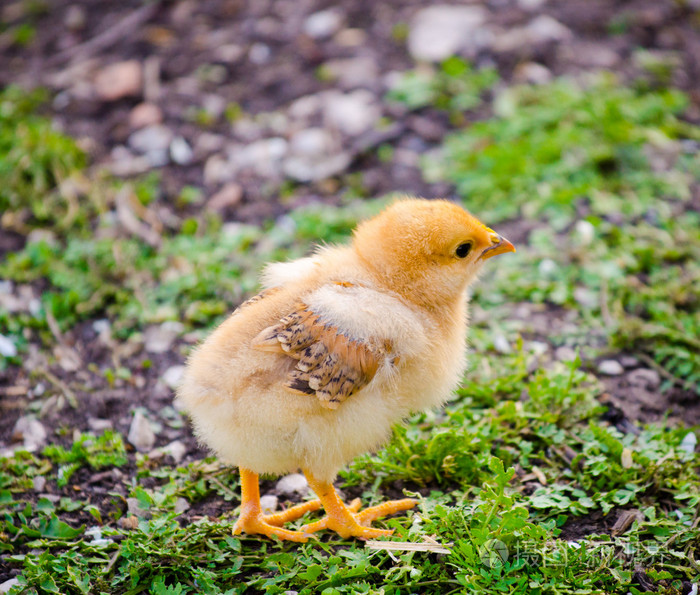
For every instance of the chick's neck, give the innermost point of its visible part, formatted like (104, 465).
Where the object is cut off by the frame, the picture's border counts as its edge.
(418, 289)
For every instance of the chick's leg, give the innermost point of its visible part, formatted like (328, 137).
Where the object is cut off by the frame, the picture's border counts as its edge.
(252, 519)
(345, 520)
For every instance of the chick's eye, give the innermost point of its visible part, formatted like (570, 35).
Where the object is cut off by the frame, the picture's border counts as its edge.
(463, 250)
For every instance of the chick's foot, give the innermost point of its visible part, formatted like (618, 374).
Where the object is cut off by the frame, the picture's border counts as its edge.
(257, 523)
(252, 520)
(346, 521)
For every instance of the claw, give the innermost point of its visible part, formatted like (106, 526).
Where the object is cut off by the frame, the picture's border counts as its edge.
(252, 520)
(346, 521)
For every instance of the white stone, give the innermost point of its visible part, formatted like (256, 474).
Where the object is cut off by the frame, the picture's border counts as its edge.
(440, 31)
(75, 18)
(141, 435)
(259, 53)
(323, 24)
(31, 431)
(353, 72)
(39, 483)
(304, 169)
(312, 142)
(181, 505)
(230, 195)
(645, 378)
(541, 29)
(294, 483)
(173, 376)
(216, 170)
(7, 347)
(352, 113)
(531, 4)
(180, 151)
(176, 449)
(305, 107)
(268, 503)
(533, 73)
(123, 79)
(96, 534)
(145, 114)
(610, 367)
(154, 138)
(588, 298)
(263, 156)
(7, 585)
(132, 507)
(538, 347)
(689, 442)
(565, 354)
(501, 344)
(159, 339)
(545, 28)
(547, 266)
(99, 425)
(585, 231)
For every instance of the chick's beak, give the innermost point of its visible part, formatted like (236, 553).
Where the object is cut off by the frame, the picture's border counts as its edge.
(500, 246)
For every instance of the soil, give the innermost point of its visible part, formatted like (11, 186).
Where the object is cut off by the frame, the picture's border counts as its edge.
(256, 55)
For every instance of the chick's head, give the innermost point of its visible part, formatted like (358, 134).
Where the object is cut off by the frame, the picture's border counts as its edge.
(427, 250)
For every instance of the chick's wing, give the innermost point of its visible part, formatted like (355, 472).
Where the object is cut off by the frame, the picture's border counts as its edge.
(333, 361)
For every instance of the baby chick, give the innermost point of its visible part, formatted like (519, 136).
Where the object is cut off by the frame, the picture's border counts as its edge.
(339, 346)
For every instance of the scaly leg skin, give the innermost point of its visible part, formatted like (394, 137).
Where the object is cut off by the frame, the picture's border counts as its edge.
(252, 520)
(345, 520)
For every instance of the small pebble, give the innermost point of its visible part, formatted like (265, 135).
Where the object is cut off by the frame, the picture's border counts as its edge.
(123, 79)
(99, 425)
(132, 505)
(181, 505)
(128, 522)
(565, 354)
(547, 266)
(141, 435)
(176, 449)
(7, 585)
(268, 503)
(173, 376)
(39, 483)
(75, 18)
(689, 442)
(585, 232)
(645, 378)
(180, 151)
(7, 347)
(610, 367)
(30, 431)
(629, 361)
(229, 196)
(145, 114)
(323, 24)
(501, 344)
(259, 53)
(293, 484)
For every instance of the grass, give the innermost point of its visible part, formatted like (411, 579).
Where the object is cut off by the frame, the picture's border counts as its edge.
(521, 477)
(502, 465)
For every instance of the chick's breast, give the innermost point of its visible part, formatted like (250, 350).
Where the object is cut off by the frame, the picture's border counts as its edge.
(240, 399)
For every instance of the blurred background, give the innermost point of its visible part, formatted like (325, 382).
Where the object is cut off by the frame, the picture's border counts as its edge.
(155, 154)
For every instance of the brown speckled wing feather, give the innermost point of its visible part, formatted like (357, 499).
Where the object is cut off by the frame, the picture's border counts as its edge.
(256, 298)
(330, 364)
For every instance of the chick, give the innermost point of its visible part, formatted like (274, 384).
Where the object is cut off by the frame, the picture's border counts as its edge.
(339, 346)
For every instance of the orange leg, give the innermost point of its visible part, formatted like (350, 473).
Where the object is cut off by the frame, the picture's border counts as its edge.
(345, 520)
(252, 519)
